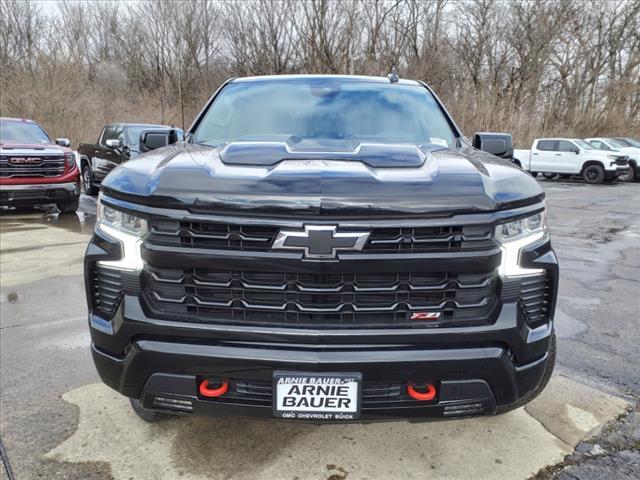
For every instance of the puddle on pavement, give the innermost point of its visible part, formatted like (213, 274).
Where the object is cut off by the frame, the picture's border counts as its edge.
(211, 448)
(39, 217)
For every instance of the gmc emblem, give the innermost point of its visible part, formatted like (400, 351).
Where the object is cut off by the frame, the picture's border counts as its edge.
(25, 161)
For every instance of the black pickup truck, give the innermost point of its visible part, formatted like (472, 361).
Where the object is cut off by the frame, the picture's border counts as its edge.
(117, 143)
(323, 248)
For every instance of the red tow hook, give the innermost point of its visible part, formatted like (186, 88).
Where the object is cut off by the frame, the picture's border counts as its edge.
(205, 391)
(429, 394)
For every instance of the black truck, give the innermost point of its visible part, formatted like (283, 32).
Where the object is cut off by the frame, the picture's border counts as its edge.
(323, 248)
(116, 144)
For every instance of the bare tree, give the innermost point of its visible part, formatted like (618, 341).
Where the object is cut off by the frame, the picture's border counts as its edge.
(530, 67)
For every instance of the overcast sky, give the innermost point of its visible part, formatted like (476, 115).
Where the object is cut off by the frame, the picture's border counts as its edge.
(51, 6)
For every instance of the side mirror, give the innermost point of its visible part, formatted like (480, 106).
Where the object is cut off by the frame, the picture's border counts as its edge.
(576, 151)
(63, 142)
(113, 143)
(153, 139)
(498, 144)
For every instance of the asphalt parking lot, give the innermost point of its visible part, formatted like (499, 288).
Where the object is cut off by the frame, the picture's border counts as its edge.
(58, 421)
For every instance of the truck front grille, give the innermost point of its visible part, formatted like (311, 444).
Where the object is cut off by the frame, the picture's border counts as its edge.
(49, 166)
(318, 300)
(227, 236)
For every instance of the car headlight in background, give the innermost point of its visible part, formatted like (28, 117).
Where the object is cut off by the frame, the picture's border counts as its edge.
(513, 237)
(127, 229)
(69, 161)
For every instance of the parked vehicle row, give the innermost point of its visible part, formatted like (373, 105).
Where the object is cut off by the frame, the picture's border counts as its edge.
(34, 169)
(595, 159)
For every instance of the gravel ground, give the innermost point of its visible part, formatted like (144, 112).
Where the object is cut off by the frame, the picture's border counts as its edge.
(613, 454)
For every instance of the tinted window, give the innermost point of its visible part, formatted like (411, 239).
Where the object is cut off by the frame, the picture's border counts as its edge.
(547, 145)
(565, 146)
(27, 132)
(324, 111)
(599, 145)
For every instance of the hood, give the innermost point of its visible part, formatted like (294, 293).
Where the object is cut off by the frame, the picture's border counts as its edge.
(21, 148)
(271, 178)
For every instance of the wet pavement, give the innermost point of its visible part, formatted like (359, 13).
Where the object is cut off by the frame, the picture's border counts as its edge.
(58, 421)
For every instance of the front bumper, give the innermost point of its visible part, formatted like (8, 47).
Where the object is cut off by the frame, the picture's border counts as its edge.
(618, 171)
(471, 379)
(37, 193)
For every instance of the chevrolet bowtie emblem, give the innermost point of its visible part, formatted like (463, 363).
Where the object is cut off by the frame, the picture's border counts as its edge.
(320, 241)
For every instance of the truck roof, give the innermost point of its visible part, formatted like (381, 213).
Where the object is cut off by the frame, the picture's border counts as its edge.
(346, 78)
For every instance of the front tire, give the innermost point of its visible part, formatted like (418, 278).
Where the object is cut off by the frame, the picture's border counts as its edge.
(69, 206)
(593, 174)
(549, 176)
(87, 181)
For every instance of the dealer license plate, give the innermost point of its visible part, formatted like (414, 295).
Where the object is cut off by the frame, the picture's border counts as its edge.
(316, 396)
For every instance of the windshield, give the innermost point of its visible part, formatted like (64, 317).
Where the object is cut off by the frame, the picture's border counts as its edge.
(615, 143)
(324, 112)
(22, 132)
(628, 142)
(583, 144)
(624, 142)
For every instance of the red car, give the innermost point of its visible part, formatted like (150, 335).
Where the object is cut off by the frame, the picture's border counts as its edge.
(34, 169)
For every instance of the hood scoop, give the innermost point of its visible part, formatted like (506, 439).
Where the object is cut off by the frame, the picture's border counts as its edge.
(375, 155)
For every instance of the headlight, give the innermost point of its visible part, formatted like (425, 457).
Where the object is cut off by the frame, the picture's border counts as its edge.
(513, 237)
(125, 222)
(127, 229)
(613, 157)
(69, 161)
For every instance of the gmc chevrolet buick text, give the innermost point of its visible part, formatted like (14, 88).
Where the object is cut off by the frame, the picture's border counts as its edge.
(323, 248)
